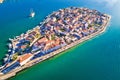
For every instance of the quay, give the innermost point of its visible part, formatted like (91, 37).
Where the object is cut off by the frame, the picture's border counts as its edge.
(49, 46)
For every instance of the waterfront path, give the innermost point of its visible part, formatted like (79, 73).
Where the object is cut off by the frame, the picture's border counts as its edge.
(37, 60)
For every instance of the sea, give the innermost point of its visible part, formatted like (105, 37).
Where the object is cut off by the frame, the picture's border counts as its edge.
(95, 59)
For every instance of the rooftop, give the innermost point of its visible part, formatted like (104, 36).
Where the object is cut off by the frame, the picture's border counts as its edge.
(24, 57)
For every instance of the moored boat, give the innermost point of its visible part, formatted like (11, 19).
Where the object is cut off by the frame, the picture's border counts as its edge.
(32, 13)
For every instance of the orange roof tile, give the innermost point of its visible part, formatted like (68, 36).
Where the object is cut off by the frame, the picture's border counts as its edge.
(43, 40)
(50, 41)
(23, 46)
(24, 57)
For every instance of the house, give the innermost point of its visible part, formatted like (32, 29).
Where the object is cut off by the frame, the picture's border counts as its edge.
(24, 58)
(42, 40)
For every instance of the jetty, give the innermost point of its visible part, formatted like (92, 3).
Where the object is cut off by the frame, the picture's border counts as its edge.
(60, 31)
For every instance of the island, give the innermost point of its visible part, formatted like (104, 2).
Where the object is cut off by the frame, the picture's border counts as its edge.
(60, 31)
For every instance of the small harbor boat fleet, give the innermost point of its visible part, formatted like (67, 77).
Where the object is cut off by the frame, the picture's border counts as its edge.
(60, 31)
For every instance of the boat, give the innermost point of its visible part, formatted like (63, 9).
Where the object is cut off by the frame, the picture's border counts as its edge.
(10, 45)
(10, 39)
(9, 50)
(32, 13)
(5, 59)
(6, 55)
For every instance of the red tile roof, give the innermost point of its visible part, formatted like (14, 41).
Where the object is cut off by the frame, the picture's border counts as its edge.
(24, 57)
(43, 40)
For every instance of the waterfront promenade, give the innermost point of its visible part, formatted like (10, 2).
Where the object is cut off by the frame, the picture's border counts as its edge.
(37, 60)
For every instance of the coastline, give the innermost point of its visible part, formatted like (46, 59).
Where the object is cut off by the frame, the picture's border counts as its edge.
(31, 63)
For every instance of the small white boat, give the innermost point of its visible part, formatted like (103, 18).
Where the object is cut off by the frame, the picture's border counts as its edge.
(32, 13)
(13, 51)
(6, 55)
(10, 45)
(10, 39)
(9, 50)
(5, 59)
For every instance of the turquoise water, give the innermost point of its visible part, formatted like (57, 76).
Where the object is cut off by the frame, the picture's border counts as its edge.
(95, 59)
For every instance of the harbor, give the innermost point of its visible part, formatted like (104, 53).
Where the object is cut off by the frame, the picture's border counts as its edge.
(45, 44)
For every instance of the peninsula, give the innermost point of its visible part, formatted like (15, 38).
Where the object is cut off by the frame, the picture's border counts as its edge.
(60, 31)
